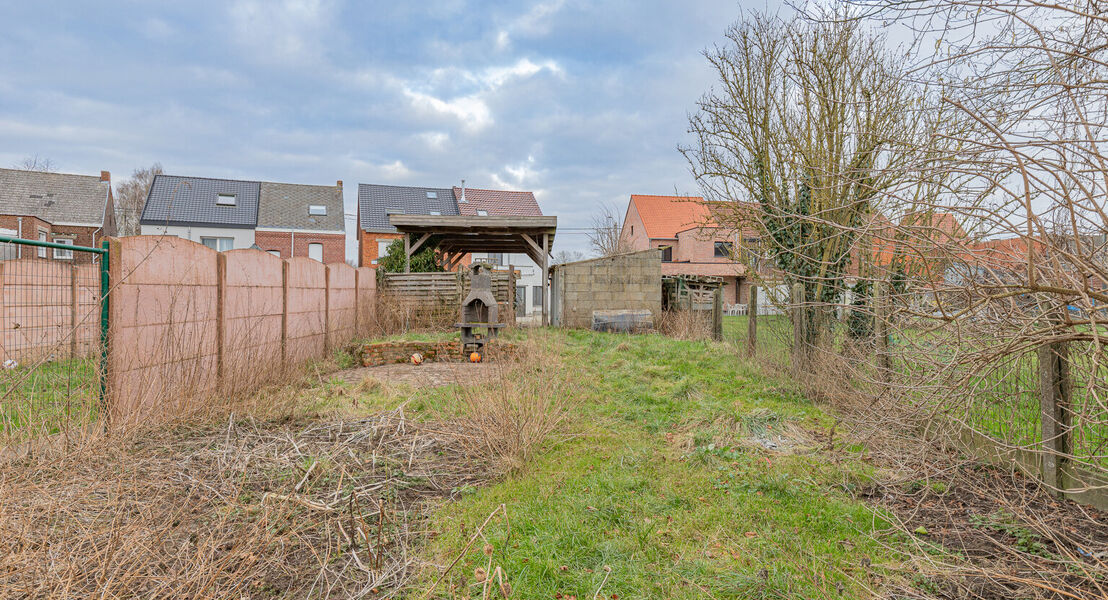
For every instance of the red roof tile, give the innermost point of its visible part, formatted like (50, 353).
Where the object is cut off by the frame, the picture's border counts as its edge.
(664, 216)
(498, 203)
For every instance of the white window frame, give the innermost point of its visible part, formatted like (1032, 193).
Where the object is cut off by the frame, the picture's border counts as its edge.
(60, 254)
(229, 242)
(432, 195)
(276, 253)
(317, 210)
(226, 199)
(318, 245)
(436, 213)
(482, 213)
(42, 237)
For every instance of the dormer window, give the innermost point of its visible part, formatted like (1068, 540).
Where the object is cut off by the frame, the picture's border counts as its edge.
(432, 195)
(225, 200)
(317, 210)
(482, 213)
(436, 213)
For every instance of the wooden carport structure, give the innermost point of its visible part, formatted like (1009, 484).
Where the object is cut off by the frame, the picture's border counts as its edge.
(456, 236)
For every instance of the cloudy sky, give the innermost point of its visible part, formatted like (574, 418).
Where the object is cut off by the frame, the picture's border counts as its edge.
(582, 102)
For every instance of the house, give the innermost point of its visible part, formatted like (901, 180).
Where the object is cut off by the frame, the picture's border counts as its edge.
(692, 239)
(377, 202)
(283, 219)
(55, 207)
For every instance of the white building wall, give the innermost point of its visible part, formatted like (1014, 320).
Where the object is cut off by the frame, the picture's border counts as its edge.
(530, 277)
(243, 238)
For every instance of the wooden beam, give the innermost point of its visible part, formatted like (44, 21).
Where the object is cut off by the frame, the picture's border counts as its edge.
(419, 243)
(407, 253)
(545, 279)
(531, 242)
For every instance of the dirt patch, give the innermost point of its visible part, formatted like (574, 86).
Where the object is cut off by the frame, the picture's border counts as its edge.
(428, 374)
(244, 509)
(1014, 540)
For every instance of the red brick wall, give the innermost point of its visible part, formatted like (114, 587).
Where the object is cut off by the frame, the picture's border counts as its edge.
(367, 245)
(82, 236)
(334, 244)
(633, 233)
(698, 245)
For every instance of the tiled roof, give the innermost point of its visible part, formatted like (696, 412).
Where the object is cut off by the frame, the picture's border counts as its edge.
(53, 197)
(664, 216)
(285, 206)
(376, 201)
(497, 203)
(192, 201)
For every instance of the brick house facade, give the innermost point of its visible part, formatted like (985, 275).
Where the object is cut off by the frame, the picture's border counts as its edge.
(70, 209)
(280, 243)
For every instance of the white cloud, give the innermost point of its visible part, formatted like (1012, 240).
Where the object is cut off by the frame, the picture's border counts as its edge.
(471, 110)
(283, 31)
(532, 23)
(434, 139)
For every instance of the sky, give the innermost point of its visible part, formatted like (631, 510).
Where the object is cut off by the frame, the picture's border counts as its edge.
(581, 102)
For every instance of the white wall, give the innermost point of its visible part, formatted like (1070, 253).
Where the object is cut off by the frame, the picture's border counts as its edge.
(244, 238)
(530, 275)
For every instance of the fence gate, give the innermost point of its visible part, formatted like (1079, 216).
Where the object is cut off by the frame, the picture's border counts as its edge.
(53, 336)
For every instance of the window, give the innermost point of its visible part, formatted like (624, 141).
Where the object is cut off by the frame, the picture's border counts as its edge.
(667, 254)
(632, 230)
(496, 258)
(482, 213)
(315, 252)
(432, 195)
(42, 238)
(225, 200)
(317, 210)
(218, 244)
(435, 213)
(536, 296)
(521, 300)
(723, 250)
(394, 211)
(60, 254)
(276, 253)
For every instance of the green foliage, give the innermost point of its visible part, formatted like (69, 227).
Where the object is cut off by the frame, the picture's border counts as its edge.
(423, 261)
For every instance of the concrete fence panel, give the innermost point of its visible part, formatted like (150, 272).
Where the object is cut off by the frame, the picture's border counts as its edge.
(253, 309)
(305, 307)
(163, 345)
(367, 300)
(36, 305)
(342, 295)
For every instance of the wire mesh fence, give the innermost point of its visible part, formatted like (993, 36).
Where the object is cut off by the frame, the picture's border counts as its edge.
(51, 336)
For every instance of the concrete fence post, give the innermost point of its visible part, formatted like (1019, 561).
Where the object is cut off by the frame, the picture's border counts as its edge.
(752, 321)
(285, 313)
(800, 329)
(717, 314)
(357, 304)
(1054, 401)
(220, 316)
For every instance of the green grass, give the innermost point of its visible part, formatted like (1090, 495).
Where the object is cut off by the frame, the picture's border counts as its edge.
(49, 395)
(660, 479)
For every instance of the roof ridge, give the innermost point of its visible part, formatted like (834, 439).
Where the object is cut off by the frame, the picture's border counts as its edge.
(52, 173)
(210, 178)
(468, 188)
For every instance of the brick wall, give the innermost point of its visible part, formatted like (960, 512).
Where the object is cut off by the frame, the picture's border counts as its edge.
(81, 236)
(630, 281)
(367, 246)
(334, 244)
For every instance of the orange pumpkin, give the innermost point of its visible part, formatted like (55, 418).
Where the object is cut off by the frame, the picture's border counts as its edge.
(475, 357)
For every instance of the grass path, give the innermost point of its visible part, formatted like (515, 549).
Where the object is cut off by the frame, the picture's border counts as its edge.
(668, 484)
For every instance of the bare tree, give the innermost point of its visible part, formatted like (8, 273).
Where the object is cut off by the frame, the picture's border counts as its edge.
(130, 198)
(567, 256)
(36, 163)
(814, 126)
(605, 236)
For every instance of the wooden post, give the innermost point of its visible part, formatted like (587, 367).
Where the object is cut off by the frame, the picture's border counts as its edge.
(881, 330)
(75, 307)
(717, 314)
(546, 279)
(800, 327)
(220, 315)
(511, 295)
(1054, 400)
(752, 321)
(407, 253)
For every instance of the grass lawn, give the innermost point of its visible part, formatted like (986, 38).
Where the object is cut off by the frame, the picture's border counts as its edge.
(683, 473)
(50, 395)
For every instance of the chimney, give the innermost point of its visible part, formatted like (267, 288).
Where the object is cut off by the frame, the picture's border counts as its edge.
(106, 176)
(463, 190)
(338, 184)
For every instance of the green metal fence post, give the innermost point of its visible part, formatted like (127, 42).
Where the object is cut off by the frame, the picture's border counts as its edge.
(105, 284)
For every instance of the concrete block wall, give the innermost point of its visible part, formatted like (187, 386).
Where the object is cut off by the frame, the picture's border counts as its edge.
(631, 281)
(189, 324)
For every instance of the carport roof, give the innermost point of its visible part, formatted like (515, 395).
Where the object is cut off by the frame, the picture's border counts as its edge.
(464, 234)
